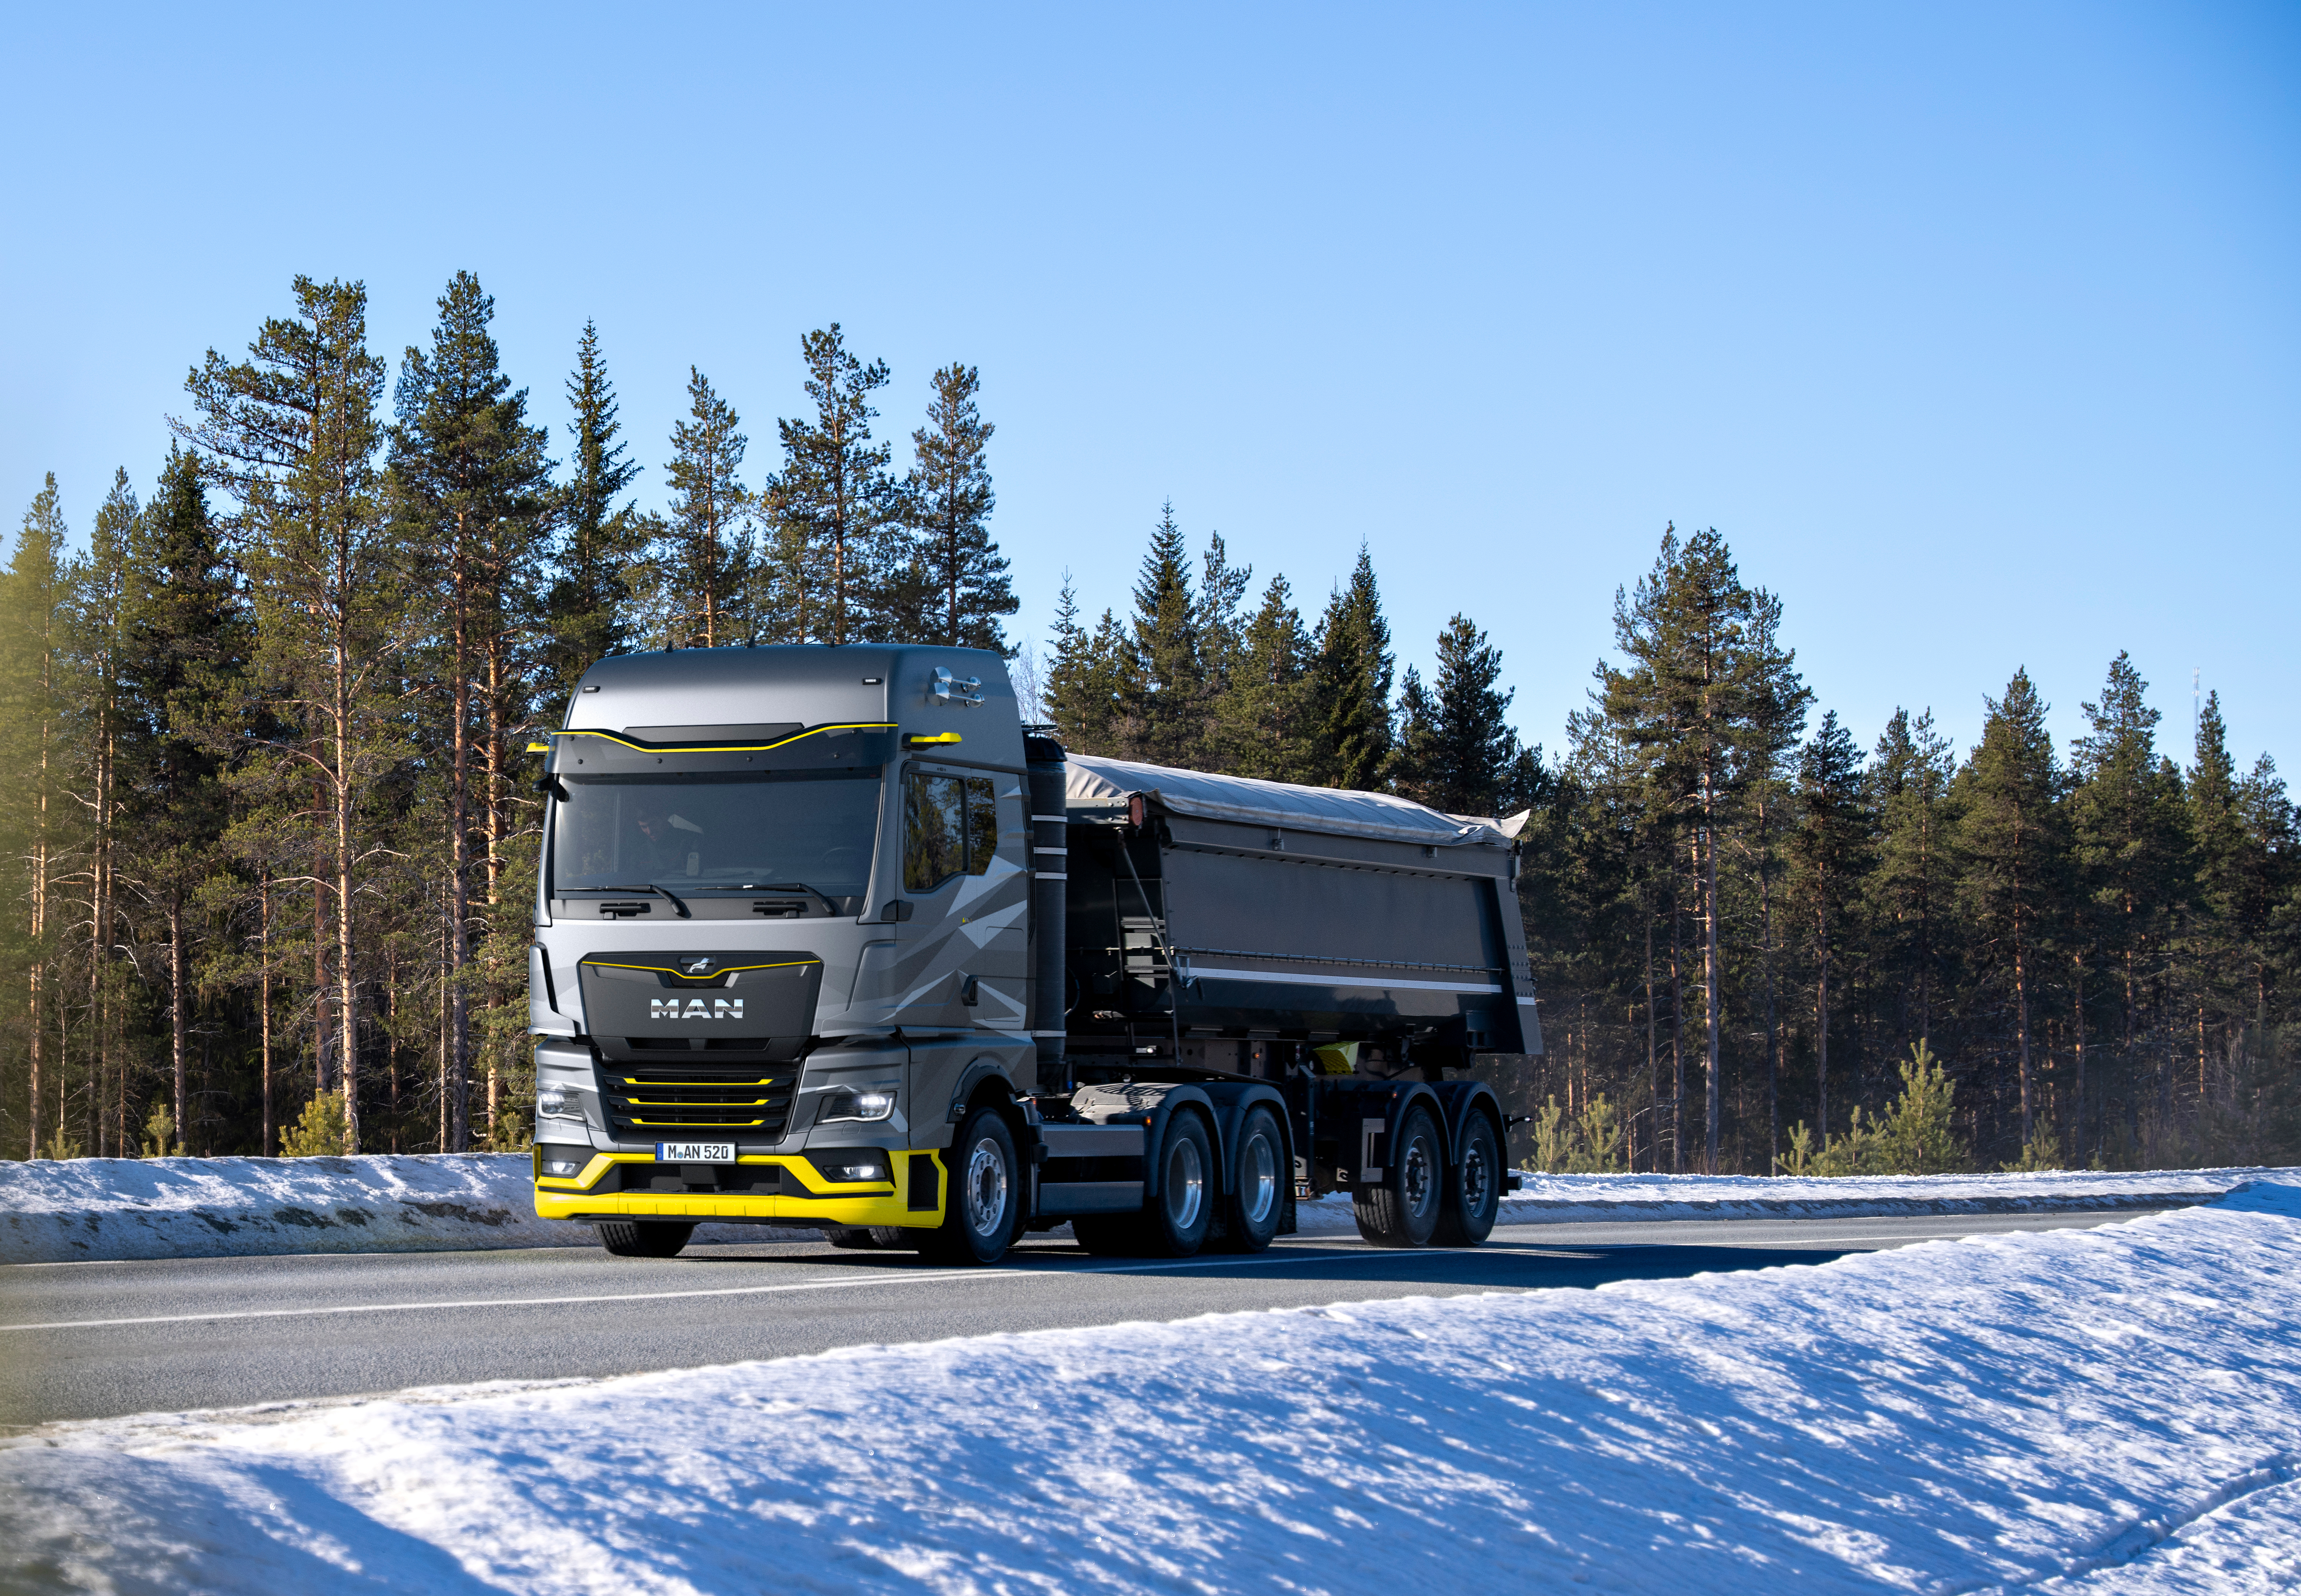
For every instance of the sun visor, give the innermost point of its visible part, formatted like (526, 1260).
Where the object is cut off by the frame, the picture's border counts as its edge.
(668, 750)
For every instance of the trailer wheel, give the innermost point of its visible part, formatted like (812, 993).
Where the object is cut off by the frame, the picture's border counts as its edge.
(629, 1239)
(1403, 1209)
(1474, 1187)
(979, 1218)
(1257, 1199)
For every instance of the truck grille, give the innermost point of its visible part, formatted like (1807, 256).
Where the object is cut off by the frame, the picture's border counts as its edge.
(690, 1095)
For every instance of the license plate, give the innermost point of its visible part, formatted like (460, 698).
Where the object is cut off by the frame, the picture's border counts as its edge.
(695, 1152)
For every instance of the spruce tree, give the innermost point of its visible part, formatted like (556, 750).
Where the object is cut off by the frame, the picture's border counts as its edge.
(291, 434)
(1090, 674)
(1262, 724)
(96, 588)
(1351, 684)
(1828, 844)
(1909, 892)
(834, 494)
(183, 658)
(2012, 837)
(963, 588)
(600, 540)
(1166, 714)
(2132, 851)
(703, 559)
(1456, 751)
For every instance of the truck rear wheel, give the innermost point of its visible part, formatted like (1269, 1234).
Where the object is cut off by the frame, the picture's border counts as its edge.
(981, 1217)
(631, 1239)
(1173, 1225)
(1257, 1199)
(1474, 1187)
(1401, 1210)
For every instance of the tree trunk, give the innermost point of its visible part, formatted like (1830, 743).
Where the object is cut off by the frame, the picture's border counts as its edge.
(1653, 1075)
(1677, 1040)
(178, 1030)
(1710, 983)
(263, 1006)
(459, 862)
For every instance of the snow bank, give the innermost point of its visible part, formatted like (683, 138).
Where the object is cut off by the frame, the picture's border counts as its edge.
(2109, 1410)
(52, 1211)
(94, 1209)
(1560, 1199)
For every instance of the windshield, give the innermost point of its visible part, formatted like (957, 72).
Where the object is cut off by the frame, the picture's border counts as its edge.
(735, 832)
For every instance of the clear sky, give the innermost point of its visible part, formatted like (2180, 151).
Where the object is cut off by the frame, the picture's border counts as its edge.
(1974, 328)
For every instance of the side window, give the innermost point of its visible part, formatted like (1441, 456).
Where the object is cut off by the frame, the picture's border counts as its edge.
(950, 827)
(934, 831)
(982, 825)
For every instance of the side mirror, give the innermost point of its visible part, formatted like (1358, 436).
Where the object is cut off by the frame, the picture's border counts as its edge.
(896, 911)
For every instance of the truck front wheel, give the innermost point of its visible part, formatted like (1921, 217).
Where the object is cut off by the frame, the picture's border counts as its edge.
(629, 1239)
(1402, 1208)
(1474, 1187)
(979, 1220)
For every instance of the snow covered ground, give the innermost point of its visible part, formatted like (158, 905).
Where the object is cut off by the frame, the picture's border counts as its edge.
(2111, 1410)
(88, 1208)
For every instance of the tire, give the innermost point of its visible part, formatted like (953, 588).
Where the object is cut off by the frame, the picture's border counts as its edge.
(1402, 1210)
(985, 1206)
(1474, 1187)
(1175, 1223)
(634, 1239)
(879, 1238)
(1258, 1173)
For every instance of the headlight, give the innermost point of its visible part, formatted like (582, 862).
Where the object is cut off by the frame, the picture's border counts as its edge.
(554, 1100)
(855, 1106)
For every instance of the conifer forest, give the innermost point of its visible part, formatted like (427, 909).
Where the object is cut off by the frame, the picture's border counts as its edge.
(272, 825)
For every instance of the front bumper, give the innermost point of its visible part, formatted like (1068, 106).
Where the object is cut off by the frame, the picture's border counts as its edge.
(816, 1202)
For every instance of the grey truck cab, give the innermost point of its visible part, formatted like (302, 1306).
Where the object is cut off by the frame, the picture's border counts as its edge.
(824, 939)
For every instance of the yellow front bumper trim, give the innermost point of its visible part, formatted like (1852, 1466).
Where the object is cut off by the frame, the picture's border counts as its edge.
(846, 1203)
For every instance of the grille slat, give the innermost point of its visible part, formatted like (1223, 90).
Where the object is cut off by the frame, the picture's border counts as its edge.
(691, 1096)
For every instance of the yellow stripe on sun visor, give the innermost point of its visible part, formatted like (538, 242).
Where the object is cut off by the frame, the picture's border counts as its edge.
(747, 748)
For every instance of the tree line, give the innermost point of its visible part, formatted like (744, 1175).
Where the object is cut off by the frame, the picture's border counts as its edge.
(273, 837)
(266, 810)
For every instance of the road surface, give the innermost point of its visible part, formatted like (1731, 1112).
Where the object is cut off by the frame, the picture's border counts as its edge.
(101, 1340)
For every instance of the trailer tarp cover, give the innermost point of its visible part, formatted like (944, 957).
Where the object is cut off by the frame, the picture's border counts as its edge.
(1332, 810)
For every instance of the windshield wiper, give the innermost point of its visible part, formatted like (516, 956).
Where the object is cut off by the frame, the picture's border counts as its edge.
(824, 899)
(651, 887)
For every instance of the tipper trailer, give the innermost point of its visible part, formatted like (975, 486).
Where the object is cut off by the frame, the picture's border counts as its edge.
(826, 937)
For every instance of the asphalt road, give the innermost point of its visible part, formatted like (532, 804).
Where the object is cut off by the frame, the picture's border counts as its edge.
(93, 1341)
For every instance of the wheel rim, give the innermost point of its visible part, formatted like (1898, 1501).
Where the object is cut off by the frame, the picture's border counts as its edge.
(1418, 1181)
(1258, 1184)
(1186, 1183)
(1477, 1179)
(986, 1188)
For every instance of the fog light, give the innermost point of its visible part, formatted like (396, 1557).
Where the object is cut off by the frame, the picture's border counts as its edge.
(856, 1105)
(566, 1168)
(853, 1172)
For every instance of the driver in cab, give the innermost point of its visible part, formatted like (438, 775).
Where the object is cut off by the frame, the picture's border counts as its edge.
(663, 843)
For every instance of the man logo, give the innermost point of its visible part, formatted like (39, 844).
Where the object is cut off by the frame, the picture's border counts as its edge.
(696, 1008)
(698, 966)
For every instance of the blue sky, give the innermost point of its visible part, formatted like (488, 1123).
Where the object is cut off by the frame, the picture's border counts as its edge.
(1974, 328)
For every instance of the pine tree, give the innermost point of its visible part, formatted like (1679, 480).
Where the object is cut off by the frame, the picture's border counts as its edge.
(702, 566)
(1351, 684)
(291, 435)
(834, 494)
(1456, 752)
(601, 541)
(1262, 721)
(1165, 715)
(32, 678)
(2012, 836)
(1706, 684)
(947, 500)
(1827, 844)
(470, 487)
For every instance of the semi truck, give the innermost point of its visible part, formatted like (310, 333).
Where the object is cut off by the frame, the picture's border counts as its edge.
(825, 936)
